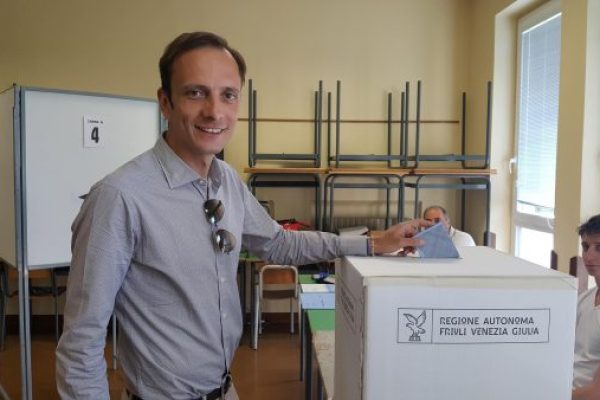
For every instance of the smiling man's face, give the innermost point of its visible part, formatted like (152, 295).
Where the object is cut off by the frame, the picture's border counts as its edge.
(204, 103)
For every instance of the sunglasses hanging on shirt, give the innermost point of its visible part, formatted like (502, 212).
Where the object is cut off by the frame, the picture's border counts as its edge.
(223, 240)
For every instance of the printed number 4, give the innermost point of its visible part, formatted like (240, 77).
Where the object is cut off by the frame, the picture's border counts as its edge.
(95, 136)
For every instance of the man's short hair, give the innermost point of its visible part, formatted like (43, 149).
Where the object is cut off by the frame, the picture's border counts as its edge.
(192, 41)
(442, 209)
(590, 227)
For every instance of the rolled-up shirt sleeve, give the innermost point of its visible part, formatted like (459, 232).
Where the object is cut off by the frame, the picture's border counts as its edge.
(102, 247)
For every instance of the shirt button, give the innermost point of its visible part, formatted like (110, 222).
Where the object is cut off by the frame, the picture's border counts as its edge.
(222, 280)
(224, 315)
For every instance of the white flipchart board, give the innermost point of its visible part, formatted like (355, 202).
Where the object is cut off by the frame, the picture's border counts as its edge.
(70, 141)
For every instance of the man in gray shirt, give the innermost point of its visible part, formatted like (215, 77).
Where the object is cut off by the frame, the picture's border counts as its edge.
(158, 243)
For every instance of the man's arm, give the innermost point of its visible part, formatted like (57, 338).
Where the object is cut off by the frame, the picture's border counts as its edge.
(267, 240)
(264, 238)
(102, 247)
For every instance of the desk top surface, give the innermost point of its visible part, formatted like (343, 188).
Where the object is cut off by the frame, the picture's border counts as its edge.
(321, 320)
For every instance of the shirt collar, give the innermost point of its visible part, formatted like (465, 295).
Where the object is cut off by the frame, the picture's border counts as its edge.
(178, 173)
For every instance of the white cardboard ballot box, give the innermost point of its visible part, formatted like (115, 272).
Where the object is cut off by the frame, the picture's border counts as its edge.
(487, 326)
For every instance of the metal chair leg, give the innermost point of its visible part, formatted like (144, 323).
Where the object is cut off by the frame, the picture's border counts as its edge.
(255, 321)
(260, 320)
(299, 312)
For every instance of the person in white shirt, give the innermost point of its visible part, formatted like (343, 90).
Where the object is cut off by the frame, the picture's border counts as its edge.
(586, 368)
(437, 214)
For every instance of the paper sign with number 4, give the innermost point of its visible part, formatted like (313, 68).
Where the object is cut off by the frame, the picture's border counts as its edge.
(93, 132)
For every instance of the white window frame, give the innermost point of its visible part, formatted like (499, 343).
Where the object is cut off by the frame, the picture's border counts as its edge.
(528, 221)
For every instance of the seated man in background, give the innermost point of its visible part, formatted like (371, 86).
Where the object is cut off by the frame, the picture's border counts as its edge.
(586, 371)
(437, 214)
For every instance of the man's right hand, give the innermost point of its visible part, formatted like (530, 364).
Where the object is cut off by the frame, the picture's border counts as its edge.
(399, 236)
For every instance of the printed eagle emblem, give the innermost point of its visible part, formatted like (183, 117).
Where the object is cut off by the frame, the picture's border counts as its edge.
(415, 324)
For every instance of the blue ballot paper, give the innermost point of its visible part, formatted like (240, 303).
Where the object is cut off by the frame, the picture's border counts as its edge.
(438, 243)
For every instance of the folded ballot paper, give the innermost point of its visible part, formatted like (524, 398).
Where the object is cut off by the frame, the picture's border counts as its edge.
(438, 243)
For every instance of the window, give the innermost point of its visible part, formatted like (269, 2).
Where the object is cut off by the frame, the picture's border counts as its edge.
(537, 120)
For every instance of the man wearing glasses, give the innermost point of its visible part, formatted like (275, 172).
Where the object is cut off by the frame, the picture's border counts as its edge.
(158, 242)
